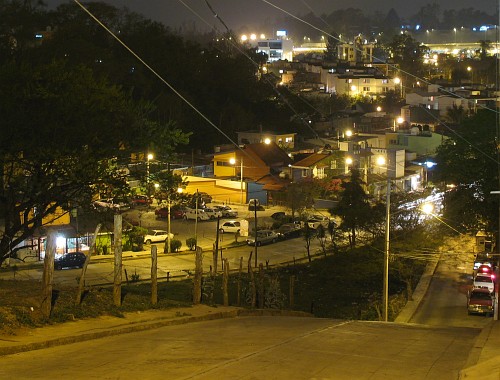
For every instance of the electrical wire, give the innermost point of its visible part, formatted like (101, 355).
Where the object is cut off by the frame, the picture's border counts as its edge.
(397, 68)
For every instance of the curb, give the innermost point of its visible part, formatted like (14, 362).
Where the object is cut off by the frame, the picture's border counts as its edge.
(411, 306)
(148, 325)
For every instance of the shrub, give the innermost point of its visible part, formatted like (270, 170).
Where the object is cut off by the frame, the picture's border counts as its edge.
(175, 245)
(191, 243)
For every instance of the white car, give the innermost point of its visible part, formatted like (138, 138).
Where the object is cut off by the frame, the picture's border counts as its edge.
(316, 220)
(484, 281)
(193, 214)
(227, 212)
(213, 213)
(231, 226)
(157, 236)
(111, 203)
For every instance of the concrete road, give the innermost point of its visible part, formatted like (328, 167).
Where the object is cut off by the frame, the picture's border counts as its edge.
(445, 303)
(256, 348)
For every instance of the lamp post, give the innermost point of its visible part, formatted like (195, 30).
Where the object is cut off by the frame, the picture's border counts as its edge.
(149, 158)
(169, 206)
(399, 82)
(469, 69)
(232, 161)
(381, 161)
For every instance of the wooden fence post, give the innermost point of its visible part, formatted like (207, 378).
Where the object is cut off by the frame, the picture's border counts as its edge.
(117, 284)
(48, 274)
(253, 288)
(261, 286)
(92, 249)
(198, 276)
(239, 282)
(292, 290)
(225, 281)
(154, 275)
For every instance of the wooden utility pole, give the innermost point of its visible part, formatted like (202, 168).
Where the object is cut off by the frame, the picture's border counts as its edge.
(117, 287)
(225, 281)
(198, 276)
(48, 274)
(154, 275)
(81, 283)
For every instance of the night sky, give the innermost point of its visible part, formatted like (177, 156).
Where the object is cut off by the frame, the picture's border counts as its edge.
(238, 14)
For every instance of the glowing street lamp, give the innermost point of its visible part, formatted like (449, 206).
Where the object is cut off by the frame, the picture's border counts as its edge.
(149, 158)
(385, 294)
(169, 205)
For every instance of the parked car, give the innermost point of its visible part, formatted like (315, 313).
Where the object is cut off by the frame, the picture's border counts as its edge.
(231, 226)
(70, 260)
(254, 204)
(193, 214)
(175, 212)
(157, 236)
(480, 301)
(112, 204)
(485, 269)
(278, 215)
(140, 200)
(316, 220)
(484, 281)
(227, 212)
(288, 231)
(263, 237)
(212, 213)
(203, 200)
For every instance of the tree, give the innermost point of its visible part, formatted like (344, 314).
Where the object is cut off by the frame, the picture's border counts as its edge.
(353, 207)
(408, 53)
(468, 160)
(65, 150)
(168, 187)
(332, 43)
(300, 195)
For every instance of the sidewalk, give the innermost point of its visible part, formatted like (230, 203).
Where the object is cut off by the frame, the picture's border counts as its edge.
(95, 328)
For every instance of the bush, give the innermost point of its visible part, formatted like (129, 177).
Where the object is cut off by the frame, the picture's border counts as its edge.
(191, 243)
(175, 245)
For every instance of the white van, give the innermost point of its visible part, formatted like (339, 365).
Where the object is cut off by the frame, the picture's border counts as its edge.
(193, 215)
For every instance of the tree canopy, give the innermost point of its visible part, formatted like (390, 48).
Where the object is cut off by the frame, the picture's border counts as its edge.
(468, 164)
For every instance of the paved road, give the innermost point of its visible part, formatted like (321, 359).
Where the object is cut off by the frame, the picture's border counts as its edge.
(256, 348)
(446, 299)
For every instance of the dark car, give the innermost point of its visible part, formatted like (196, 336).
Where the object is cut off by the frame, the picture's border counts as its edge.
(278, 215)
(140, 200)
(175, 212)
(289, 231)
(70, 260)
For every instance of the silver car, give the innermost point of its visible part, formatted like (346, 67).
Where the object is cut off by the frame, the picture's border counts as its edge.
(263, 237)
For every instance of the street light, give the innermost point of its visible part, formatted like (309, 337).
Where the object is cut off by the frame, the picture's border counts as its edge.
(232, 161)
(469, 69)
(149, 158)
(381, 161)
(399, 82)
(169, 205)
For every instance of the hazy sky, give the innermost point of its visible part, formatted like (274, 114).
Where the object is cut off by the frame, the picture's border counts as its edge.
(238, 13)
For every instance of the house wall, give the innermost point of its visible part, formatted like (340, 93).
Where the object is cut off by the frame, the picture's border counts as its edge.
(420, 144)
(222, 191)
(253, 167)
